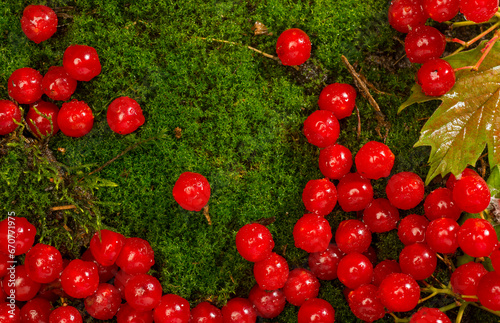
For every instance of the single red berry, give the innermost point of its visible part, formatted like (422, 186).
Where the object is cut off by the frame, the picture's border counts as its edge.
(471, 194)
(418, 261)
(124, 115)
(436, 77)
(354, 192)
(272, 272)
(23, 287)
(465, 279)
(439, 204)
(374, 160)
(424, 43)
(268, 304)
(9, 112)
(412, 228)
(24, 235)
(441, 235)
(38, 23)
(172, 308)
(121, 280)
(80, 278)
(254, 242)
(384, 269)
(9, 313)
(319, 196)
(312, 233)
(495, 259)
(36, 310)
(335, 161)
(405, 190)
(324, 264)
(478, 11)
(136, 256)
(339, 98)
(365, 304)
(25, 85)
(143, 292)
(104, 303)
(81, 62)
(191, 191)
(106, 273)
(441, 10)
(355, 270)
(450, 182)
(75, 118)
(57, 84)
(381, 216)
(205, 312)
(477, 237)
(353, 236)
(293, 47)
(65, 314)
(405, 15)
(44, 122)
(301, 286)
(106, 245)
(316, 310)
(321, 128)
(488, 291)
(399, 292)
(127, 314)
(43, 263)
(427, 314)
(239, 310)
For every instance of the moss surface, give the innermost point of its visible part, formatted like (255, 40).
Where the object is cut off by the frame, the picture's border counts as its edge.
(240, 117)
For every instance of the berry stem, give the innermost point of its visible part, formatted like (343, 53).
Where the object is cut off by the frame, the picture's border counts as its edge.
(428, 297)
(485, 50)
(497, 313)
(461, 311)
(473, 40)
(449, 307)
(398, 320)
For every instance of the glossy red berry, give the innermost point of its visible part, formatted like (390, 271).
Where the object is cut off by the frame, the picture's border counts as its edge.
(24, 288)
(38, 23)
(75, 118)
(424, 43)
(405, 190)
(9, 112)
(106, 273)
(57, 84)
(272, 272)
(321, 128)
(354, 192)
(339, 98)
(381, 216)
(205, 312)
(9, 313)
(450, 182)
(124, 115)
(136, 256)
(353, 236)
(478, 10)
(465, 279)
(25, 85)
(316, 310)
(43, 263)
(312, 233)
(80, 278)
(374, 160)
(65, 314)
(36, 310)
(477, 237)
(254, 242)
(268, 304)
(399, 292)
(488, 291)
(418, 261)
(81, 62)
(319, 196)
(239, 310)
(324, 264)
(412, 228)
(405, 15)
(44, 122)
(172, 308)
(354, 270)
(439, 204)
(436, 77)
(441, 10)
(127, 314)
(471, 194)
(335, 161)
(191, 191)
(106, 245)
(293, 47)
(24, 235)
(384, 269)
(441, 235)
(427, 314)
(301, 286)
(104, 303)
(143, 292)
(365, 304)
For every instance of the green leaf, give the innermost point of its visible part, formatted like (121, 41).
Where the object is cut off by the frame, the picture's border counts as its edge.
(468, 118)
(494, 181)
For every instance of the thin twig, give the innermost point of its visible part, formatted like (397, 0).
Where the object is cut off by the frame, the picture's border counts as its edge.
(63, 207)
(249, 47)
(359, 122)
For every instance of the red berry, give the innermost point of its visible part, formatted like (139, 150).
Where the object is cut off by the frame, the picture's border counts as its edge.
(324, 264)
(439, 204)
(106, 273)
(353, 236)
(374, 160)
(65, 314)
(57, 84)
(339, 98)
(81, 62)
(254, 242)
(272, 272)
(124, 115)
(239, 310)
(104, 303)
(478, 10)
(441, 10)
(442, 235)
(335, 161)
(465, 279)
(312, 233)
(191, 191)
(495, 259)
(136, 256)
(43, 123)
(268, 304)
(106, 245)
(365, 304)
(405, 190)
(319, 196)
(384, 269)
(23, 287)
(172, 308)
(399, 292)
(9, 313)
(418, 261)
(80, 278)
(321, 128)
(143, 292)
(316, 310)
(426, 314)
(205, 312)
(412, 228)
(9, 112)
(477, 237)
(121, 280)
(127, 314)
(488, 291)
(381, 216)
(24, 235)
(301, 286)
(354, 192)
(450, 182)
(75, 119)
(25, 85)
(293, 47)
(424, 43)
(405, 15)
(355, 270)
(471, 194)
(4, 264)
(436, 77)
(38, 23)
(43, 263)
(36, 310)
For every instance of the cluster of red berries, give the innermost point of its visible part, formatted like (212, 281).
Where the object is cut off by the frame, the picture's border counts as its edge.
(425, 44)
(80, 63)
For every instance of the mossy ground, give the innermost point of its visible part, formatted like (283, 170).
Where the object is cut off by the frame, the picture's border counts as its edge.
(240, 116)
